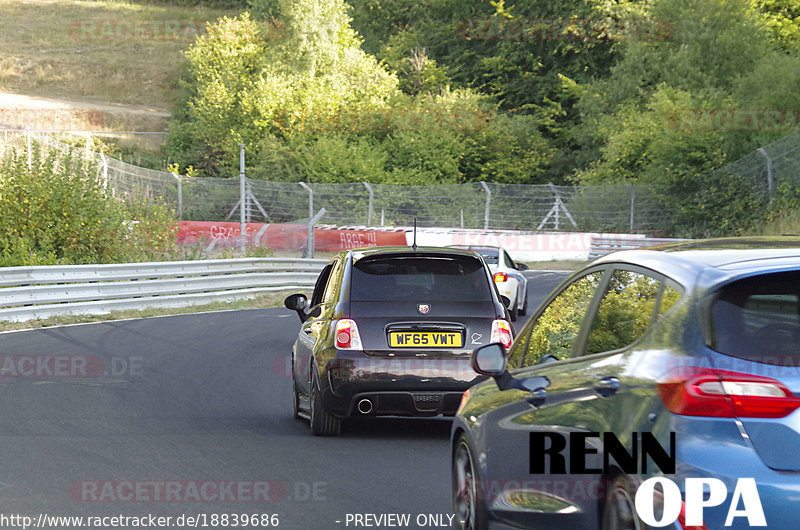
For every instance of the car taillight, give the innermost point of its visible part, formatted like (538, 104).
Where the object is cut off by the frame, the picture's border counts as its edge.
(694, 391)
(464, 398)
(347, 337)
(501, 332)
(500, 277)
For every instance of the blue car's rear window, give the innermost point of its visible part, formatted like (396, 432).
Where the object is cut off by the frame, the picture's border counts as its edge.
(758, 319)
(399, 278)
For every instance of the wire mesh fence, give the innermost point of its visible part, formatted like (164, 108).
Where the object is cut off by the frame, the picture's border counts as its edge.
(765, 168)
(606, 208)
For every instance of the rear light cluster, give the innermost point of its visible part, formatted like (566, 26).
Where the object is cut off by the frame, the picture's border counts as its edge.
(500, 277)
(347, 337)
(694, 391)
(682, 520)
(501, 332)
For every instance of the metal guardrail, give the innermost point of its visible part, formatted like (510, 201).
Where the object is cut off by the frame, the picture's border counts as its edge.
(39, 292)
(606, 244)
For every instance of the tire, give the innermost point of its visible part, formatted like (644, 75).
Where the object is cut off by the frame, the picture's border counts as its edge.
(322, 422)
(514, 312)
(470, 513)
(619, 512)
(524, 310)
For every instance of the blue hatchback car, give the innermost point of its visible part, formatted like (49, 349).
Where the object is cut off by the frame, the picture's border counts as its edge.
(651, 389)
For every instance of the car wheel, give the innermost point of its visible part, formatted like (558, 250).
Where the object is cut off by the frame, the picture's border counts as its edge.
(524, 309)
(619, 512)
(513, 312)
(323, 423)
(467, 505)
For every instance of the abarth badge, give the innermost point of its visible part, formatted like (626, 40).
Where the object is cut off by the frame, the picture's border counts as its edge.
(423, 309)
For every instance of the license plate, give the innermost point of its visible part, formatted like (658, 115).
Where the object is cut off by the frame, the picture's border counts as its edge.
(425, 339)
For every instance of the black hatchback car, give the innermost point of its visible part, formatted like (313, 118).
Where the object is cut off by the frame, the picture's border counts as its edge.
(389, 331)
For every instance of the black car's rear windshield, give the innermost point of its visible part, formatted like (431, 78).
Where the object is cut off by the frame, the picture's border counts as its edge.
(758, 319)
(415, 278)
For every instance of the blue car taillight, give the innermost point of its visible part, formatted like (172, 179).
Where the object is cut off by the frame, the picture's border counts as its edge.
(723, 394)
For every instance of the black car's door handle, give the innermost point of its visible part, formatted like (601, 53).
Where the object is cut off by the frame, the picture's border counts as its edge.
(607, 386)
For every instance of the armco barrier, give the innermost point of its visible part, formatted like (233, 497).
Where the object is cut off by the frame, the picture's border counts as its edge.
(40, 292)
(608, 243)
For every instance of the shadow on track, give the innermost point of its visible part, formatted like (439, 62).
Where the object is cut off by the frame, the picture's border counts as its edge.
(397, 428)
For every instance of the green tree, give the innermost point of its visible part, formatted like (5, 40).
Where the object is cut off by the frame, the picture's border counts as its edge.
(640, 125)
(245, 84)
(783, 19)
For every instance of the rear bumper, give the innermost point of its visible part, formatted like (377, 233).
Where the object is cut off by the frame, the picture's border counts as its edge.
(404, 404)
(409, 386)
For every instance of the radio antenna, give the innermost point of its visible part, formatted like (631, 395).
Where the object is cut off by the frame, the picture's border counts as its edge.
(414, 244)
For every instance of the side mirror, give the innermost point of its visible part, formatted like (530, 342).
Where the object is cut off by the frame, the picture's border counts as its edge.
(490, 359)
(521, 267)
(297, 302)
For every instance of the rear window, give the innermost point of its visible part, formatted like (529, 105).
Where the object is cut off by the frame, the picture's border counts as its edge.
(491, 257)
(758, 319)
(447, 278)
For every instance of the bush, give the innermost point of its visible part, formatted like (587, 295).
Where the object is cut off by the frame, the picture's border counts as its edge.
(58, 212)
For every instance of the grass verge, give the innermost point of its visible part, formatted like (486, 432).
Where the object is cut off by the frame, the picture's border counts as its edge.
(103, 50)
(788, 224)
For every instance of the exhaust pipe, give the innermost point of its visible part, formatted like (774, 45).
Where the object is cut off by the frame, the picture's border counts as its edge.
(365, 406)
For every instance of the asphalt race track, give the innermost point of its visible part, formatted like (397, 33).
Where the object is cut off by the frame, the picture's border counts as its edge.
(190, 416)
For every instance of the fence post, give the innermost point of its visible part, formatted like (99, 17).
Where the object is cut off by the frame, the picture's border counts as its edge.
(770, 180)
(180, 195)
(488, 205)
(28, 142)
(633, 204)
(310, 199)
(556, 209)
(105, 170)
(311, 244)
(371, 198)
(242, 199)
